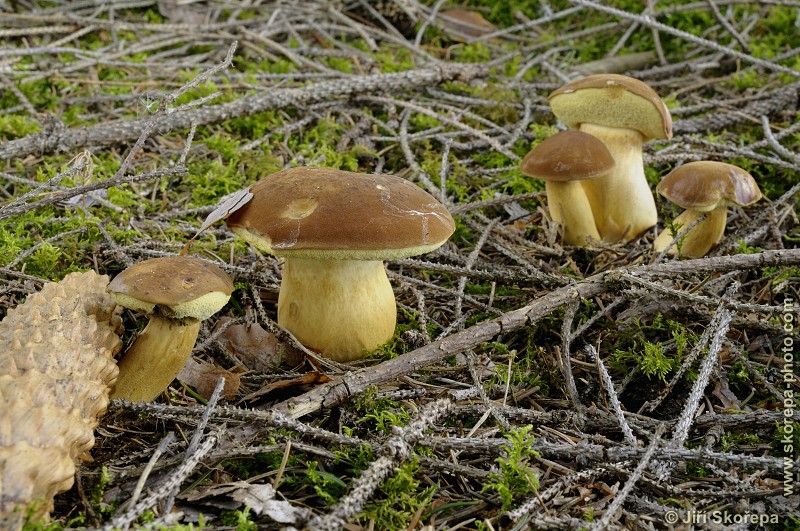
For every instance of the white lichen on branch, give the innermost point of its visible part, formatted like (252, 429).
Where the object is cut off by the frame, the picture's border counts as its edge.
(56, 365)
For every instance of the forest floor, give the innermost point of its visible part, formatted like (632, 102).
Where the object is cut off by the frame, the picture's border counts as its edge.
(530, 384)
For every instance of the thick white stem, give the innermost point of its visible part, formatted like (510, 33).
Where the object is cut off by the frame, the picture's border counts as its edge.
(343, 309)
(155, 359)
(622, 201)
(569, 206)
(698, 241)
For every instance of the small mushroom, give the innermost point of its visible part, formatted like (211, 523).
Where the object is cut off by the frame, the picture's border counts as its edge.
(623, 113)
(563, 161)
(463, 25)
(704, 187)
(176, 293)
(334, 229)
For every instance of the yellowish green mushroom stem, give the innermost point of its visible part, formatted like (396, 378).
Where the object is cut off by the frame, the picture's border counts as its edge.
(143, 375)
(621, 200)
(570, 207)
(340, 308)
(699, 240)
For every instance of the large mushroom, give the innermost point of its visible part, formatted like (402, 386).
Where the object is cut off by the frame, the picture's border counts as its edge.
(334, 229)
(564, 161)
(704, 188)
(176, 293)
(623, 113)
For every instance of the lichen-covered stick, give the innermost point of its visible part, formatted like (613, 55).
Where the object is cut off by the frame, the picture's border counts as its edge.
(56, 367)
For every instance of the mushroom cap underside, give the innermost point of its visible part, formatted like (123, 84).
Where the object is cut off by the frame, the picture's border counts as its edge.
(612, 100)
(182, 286)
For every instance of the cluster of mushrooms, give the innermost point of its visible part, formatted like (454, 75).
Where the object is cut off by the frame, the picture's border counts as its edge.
(335, 228)
(594, 172)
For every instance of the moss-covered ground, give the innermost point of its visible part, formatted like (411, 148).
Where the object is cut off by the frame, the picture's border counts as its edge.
(536, 432)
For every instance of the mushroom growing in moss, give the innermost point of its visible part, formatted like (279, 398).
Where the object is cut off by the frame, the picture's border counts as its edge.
(564, 161)
(623, 113)
(334, 229)
(176, 293)
(704, 188)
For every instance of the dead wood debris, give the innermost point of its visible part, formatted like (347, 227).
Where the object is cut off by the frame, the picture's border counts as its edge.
(504, 327)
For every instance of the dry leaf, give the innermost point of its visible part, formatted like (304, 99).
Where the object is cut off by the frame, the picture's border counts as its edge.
(202, 377)
(726, 396)
(459, 23)
(306, 379)
(227, 206)
(177, 13)
(519, 227)
(259, 497)
(257, 349)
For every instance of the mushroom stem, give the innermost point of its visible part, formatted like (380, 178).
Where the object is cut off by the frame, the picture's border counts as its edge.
(621, 200)
(143, 376)
(340, 308)
(699, 240)
(569, 206)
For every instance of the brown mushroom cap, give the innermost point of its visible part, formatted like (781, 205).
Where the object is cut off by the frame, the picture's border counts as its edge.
(705, 185)
(568, 156)
(181, 286)
(612, 100)
(325, 213)
(463, 22)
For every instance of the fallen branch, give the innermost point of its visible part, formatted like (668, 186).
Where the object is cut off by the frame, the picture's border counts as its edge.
(105, 134)
(340, 388)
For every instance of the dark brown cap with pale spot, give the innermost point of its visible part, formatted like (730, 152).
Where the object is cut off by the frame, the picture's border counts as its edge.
(568, 156)
(612, 100)
(326, 213)
(181, 286)
(705, 185)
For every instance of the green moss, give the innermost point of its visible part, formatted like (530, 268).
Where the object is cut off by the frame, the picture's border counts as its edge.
(384, 415)
(254, 126)
(743, 248)
(239, 520)
(748, 79)
(328, 157)
(739, 439)
(525, 370)
(15, 126)
(341, 64)
(781, 274)
(329, 487)
(420, 122)
(649, 355)
(45, 258)
(471, 53)
(515, 479)
(210, 180)
(398, 499)
(394, 60)
(11, 243)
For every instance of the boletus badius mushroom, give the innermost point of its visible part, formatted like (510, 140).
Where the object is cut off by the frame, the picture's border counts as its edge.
(333, 229)
(623, 113)
(176, 293)
(564, 161)
(704, 188)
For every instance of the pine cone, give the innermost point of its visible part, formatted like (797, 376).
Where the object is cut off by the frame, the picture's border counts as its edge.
(56, 367)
